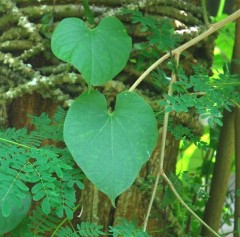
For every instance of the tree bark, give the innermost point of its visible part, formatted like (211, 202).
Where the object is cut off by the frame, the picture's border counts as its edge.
(237, 173)
(221, 174)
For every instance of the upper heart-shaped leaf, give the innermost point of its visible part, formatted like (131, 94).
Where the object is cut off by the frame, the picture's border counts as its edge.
(99, 53)
(110, 147)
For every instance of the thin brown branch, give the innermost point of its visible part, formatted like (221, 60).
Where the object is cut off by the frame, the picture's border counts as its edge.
(176, 53)
(186, 206)
(162, 148)
(215, 27)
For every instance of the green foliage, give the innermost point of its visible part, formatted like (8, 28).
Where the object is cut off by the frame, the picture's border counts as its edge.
(47, 172)
(99, 53)
(46, 25)
(127, 229)
(187, 184)
(160, 37)
(105, 143)
(207, 96)
(88, 12)
(193, 193)
(85, 229)
(110, 147)
(183, 133)
(41, 223)
(13, 208)
(161, 31)
(223, 54)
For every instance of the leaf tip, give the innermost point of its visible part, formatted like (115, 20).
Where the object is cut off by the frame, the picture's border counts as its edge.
(113, 201)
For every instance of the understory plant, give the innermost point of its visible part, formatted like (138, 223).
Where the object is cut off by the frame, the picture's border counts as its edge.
(103, 142)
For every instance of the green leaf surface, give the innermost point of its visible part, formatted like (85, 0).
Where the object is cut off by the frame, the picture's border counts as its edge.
(6, 208)
(46, 206)
(12, 212)
(99, 53)
(110, 147)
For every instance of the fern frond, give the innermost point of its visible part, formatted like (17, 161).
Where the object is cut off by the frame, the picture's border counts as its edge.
(67, 232)
(126, 229)
(12, 188)
(74, 177)
(59, 115)
(50, 170)
(68, 200)
(87, 229)
(40, 223)
(47, 128)
(14, 135)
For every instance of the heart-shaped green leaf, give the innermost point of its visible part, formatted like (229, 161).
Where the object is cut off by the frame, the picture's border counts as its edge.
(110, 147)
(99, 53)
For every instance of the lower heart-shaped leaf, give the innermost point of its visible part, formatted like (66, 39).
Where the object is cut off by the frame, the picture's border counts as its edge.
(110, 147)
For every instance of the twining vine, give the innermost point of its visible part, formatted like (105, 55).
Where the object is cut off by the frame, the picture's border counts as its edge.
(56, 193)
(107, 128)
(176, 53)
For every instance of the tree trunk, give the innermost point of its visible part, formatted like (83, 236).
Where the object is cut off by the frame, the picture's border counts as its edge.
(229, 138)
(221, 175)
(237, 173)
(33, 81)
(236, 70)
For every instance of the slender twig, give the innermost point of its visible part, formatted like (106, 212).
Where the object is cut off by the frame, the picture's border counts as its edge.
(15, 143)
(220, 7)
(176, 53)
(88, 12)
(213, 28)
(186, 206)
(166, 114)
(151, 201)
(161, 169)
(162, 149)
(205, 13)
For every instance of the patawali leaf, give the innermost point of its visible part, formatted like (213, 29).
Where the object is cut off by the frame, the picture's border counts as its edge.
(99, 53)
(110, 147)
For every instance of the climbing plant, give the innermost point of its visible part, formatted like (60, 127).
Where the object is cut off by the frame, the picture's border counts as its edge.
(108, 144)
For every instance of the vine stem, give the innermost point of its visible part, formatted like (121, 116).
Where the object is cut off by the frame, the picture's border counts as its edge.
(205, 14)
(161, 160)
(14, 143)
(166, 114)
(186, 206)
(162, 149)
(213, 28)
